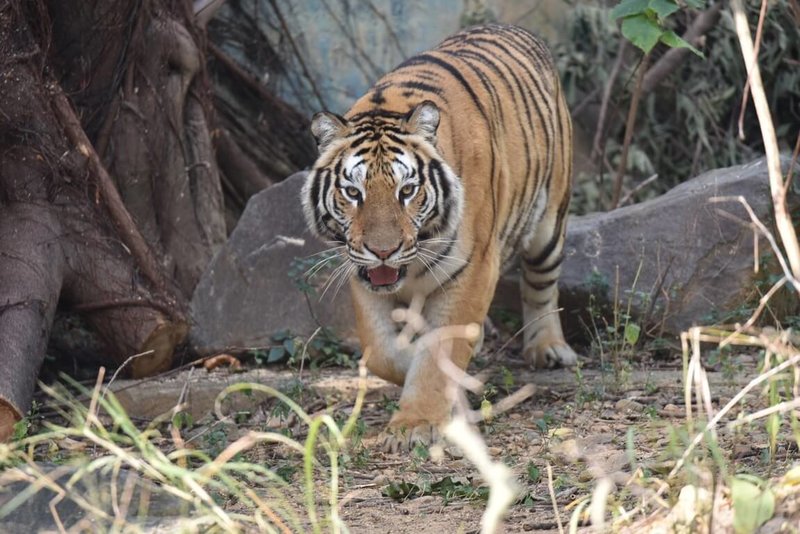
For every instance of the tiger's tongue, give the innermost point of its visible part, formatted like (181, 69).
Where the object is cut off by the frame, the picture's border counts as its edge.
(383, 275)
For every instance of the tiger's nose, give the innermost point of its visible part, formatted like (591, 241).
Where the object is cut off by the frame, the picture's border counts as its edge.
(383, 253)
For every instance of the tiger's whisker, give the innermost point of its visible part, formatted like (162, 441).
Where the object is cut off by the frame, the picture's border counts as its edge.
(314, 269)
(327, 250)
(428, 268)
(437, 255)
(344, 279)
(338, 272)
(437, 260)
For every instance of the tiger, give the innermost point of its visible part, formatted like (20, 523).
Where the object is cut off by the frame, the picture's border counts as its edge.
(451, 166)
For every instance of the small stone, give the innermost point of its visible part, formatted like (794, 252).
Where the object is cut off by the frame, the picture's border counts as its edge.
(613, 462)
(381, 480)
(568, 450)
(673, 411)
(628, 405)
(743, 450)
(453, 452)
(515, 416)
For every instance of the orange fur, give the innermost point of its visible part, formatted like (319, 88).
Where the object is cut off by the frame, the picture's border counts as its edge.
(478, 130)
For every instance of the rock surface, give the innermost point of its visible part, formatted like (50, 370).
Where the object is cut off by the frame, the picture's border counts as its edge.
(250, 289)
(160, 510)
(680, 258)
(694, 264)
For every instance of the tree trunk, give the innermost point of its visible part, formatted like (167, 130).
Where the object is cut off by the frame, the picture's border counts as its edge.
(144, 97)
(111, 196)
(65, 237)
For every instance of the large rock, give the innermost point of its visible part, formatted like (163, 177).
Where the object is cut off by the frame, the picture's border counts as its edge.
(693, 263)
(680, 259)
(250, 289)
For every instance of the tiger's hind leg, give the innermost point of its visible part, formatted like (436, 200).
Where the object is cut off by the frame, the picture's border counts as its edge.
(541, 265)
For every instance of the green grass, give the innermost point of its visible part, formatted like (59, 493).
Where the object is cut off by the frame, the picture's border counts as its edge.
(217, 489)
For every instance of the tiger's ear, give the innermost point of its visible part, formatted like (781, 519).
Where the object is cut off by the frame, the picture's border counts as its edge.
(326, 127)
(423, 120)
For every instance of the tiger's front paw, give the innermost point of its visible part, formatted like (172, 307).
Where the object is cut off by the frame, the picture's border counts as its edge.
(405, 432)
(547, 356)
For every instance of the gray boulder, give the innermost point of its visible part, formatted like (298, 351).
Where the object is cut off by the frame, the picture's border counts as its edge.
(250, 290)
(681, 259)
(694, 264)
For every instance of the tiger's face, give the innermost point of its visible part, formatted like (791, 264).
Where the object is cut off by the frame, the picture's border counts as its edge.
(380, 188)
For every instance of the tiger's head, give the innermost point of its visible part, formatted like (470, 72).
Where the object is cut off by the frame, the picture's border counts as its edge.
(381, 188)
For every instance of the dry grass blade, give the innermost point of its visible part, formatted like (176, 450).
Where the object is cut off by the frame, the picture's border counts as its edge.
(783, 218)
(714, 421)
(552, 491)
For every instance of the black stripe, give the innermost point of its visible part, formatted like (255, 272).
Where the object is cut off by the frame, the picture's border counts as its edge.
(516, 209)
(427, 58)
(539, 286)
(421, 86)
(455, 73)
(546, 251)
(377, 113)
(314, 193)
(460, 270)
(396, 150)
(360, 141)
(487, 85)
(535, 268)
(548, 119)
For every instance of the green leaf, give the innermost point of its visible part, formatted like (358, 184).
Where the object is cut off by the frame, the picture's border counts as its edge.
(696, 4)
(663, 8)
(752, 506)
(182, 420)
(632, 331)
(421, 451)
(541, 424)
(401, 491)
(276, 354)
(674, 40)
(773, 425)
(21, 429)
(642, 31)
(627, 8)
(290, 346)
(533, 473)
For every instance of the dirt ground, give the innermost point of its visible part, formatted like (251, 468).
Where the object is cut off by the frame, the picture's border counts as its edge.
(624, 424)
(586, 428)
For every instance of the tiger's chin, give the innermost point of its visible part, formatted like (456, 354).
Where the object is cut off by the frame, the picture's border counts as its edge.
(383, 279)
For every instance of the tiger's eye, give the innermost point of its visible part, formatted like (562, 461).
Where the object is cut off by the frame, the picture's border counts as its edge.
(352, 192)
(407, 190)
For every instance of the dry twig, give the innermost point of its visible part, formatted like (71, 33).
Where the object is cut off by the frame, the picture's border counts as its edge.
(783, 219)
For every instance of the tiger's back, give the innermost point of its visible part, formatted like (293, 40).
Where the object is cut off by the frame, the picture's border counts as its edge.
(450, 164)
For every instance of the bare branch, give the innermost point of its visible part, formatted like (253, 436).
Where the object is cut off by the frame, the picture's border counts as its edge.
(746, 93)
(601, 121)
(204, 10)
(629, 126)
(127, 229)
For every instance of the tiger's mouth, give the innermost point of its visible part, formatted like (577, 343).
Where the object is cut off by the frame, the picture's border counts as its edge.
(383, 278)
